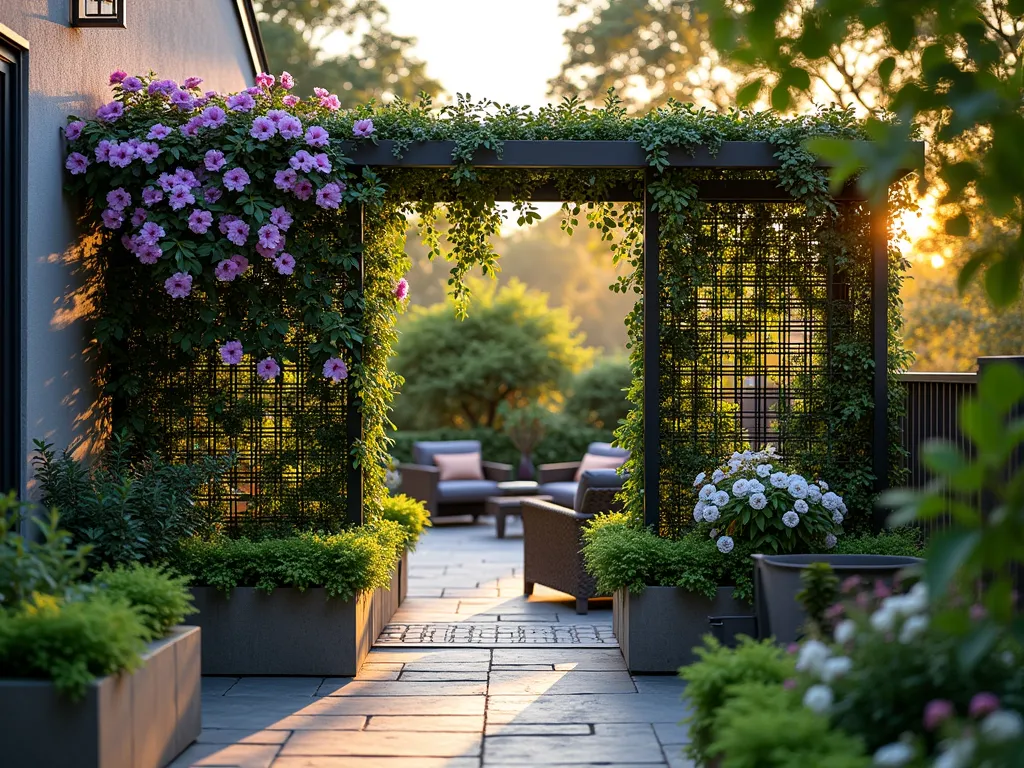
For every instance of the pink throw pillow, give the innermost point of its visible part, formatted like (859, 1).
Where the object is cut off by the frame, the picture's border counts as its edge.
(593, 461)
(459, 466)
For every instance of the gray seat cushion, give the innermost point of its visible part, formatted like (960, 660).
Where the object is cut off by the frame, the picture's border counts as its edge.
(606, 449)
(466, 490)
(562, 493)
(596, 478)
(423, 452)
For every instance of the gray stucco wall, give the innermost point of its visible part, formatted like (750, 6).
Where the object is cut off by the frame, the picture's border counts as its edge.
(68, 71)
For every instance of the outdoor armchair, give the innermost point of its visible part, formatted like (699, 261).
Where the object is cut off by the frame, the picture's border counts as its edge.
(559, 480)
(553, 536)
(444, 498)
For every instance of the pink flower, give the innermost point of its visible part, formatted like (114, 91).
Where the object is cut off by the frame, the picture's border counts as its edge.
(317, 136)
(881, 590)
(151, 233)
(977, 612)
(402, 289)
(320, 93)
(149, 254)
(180, 196)
(117, 76)
(267, 253)
(329, 196)
(789, 683)
(264, 80)
(287, 81)
(119, 199)
(285, 180)
(290, 100)
(211, 195)
(165, 87)
(277, 115)
(226, 271)
(151, 196)
(322, 163)
(192, 83)
(331, 102)
(148, 151)
(103, 151)
(280, 218)
(303, 189)
(214, 117)
(178, 285)
(269, 236)
(131, 85)
(835, 611)
(213, 160)
(139, 216)
(302, 161)
(199, 221)
(158, 132)
(236, 179)
(225, 222)
(181, 100)
(112, 219)
(76, 163)
(335, 369)
(121, 155)
(191, 128)
(241, 263)
(186, 177)
(362, 128)
(936, 712)
(268, 369)
(982, 704)
(237, 232)
(262, 128)
(793, 648)
(241, 102)
(110, 113)
(231, 352)
(73, 130)
(254, 91)
(290, 127)
(285, 264)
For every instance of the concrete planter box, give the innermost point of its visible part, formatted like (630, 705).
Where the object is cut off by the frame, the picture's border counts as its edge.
(139, 720)
(289, 632)
(658, 629)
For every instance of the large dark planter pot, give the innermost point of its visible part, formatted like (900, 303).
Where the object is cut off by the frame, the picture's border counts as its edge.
(658, 629)
(140, 720)
(289, 632)
(777, 582)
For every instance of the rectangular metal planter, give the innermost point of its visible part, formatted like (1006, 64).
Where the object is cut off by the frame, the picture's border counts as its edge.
(140, 720)
(290, 632)
(658, 629)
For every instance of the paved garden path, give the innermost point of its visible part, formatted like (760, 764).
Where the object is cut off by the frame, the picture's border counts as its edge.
(478, 700)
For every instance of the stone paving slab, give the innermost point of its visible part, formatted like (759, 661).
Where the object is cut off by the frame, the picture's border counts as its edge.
(586, 708)
(377, 762)
(368, 688)
(397, 705)
(536, 683)
(382, 744)
(241, 736)
(232, 755)
(640, 748)
(427, 723)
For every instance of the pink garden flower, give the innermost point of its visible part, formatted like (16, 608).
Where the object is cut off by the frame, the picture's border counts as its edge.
(280, 218)
(402, 289)
(180, 196)
(139, 216)
(103, 151)
(317, 136)
(119, 199)
(110, 113)
(213, 160)
(287, 81)
(789, 683)
(302, 161)
(335, 369)
(236, 179)
(285, 180)
(191, 128)
(151, 233)
(76, 163)
(121, 155)
(303, 189)
(977, 612)
(152, 196)
(322, 163)
(192, 83)
(269, 236)
(263, 128)
(290, 100)
(200, 221)
(158, 132)
(936, 712)
(241, 102)
(112, 219)
(983, 704)
(237, 232)
(212, 195)
(131, 85)
(362, 128)
(148, 151)
(290, 127)
(329, 196)
(73, 130)
(226, 271)
(117, 76)
(241, 263)
(265, 80)
(268, 369)
(214, 117)
(327, 100)
(231, 352)
(149, 254)
(285, 264)
(178, 285)
(162, 87)
(181, 100)
(277, 115)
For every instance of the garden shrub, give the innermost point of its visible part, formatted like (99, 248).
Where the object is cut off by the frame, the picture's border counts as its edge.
(410, 513)
(126, 510)
(711, 682)
(344, 563)
(70, 642)
(597, 396)
(160, 598)
(901, 542)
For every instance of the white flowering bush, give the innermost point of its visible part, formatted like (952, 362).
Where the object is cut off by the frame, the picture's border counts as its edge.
(756, 497)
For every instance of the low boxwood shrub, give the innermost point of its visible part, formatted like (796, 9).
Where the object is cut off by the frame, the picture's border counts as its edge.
(71, 642)
(343, 563)
(410, 513)
(160, 598)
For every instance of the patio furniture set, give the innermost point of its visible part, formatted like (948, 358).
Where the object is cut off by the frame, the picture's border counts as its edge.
(451, 479)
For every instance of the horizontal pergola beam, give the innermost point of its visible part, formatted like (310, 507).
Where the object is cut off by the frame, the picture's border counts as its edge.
(552, 154)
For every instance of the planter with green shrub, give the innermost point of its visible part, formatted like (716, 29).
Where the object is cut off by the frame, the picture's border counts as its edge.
(310, 604)
(412, 515)
(94, 674)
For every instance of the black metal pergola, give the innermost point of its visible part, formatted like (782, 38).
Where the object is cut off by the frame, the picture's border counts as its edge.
(630, 156)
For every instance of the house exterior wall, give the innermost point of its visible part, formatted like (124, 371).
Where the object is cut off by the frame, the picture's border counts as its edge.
(68, 72)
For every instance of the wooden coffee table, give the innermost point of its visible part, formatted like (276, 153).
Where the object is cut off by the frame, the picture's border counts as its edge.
(502, 506)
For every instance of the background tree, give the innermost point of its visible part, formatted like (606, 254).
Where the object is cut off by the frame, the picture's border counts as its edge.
(511, 348)
(597, 396)
(378, 66)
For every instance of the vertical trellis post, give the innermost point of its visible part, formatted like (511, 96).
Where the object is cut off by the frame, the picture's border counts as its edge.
(354, 413)
(652, 352)
(880, 343)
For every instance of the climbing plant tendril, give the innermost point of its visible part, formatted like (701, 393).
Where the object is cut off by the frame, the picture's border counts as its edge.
(226, 247)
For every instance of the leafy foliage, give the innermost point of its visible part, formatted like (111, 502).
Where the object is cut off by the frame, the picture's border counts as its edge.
(344, 563)
(896, 541)
(410, 513)
(597, 396)
(71, 642)
(159, 598)
(719, 675)
(819, 593)
(126, 511)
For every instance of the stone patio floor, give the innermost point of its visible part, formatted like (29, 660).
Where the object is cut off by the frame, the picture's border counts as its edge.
(504, 684)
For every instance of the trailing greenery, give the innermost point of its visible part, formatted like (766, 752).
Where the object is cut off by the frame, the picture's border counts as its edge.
(713, 680)
(160, 598)
(343, 563)
(410, 513)
(125, 510)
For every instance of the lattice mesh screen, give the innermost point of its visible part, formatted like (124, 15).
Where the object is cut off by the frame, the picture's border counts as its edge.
(746, 344)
